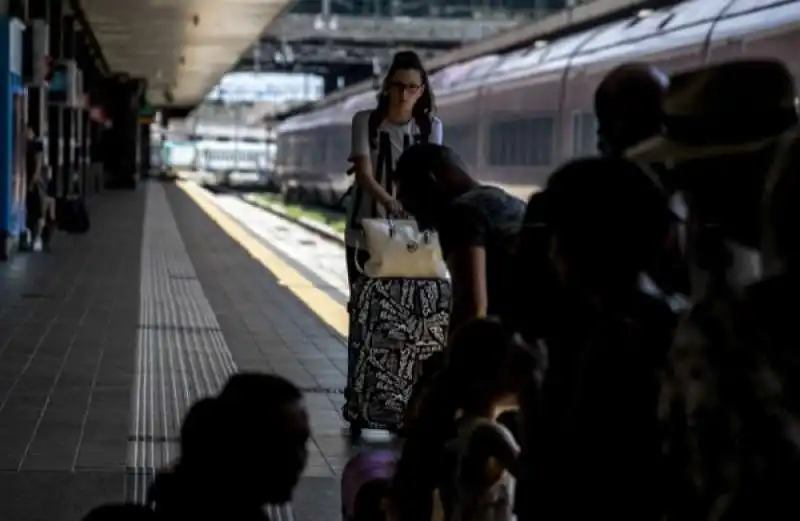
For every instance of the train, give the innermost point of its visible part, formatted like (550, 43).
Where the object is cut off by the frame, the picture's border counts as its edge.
(514, 117)
(233, 163)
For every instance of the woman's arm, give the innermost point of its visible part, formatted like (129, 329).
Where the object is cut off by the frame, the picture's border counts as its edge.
(488, 453)
(38, 160)
(362, 164)
(467, 267)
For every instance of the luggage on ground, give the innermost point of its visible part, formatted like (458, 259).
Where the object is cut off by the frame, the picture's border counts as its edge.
(395, 325)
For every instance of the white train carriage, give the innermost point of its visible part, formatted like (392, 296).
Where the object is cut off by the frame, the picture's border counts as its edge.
(234, 163)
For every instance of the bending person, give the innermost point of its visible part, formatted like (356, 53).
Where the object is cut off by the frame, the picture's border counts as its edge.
(477, 226)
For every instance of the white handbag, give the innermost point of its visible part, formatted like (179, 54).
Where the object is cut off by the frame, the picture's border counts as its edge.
(398, 249)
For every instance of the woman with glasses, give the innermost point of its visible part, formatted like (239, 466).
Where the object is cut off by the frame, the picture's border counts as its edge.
(404, 116)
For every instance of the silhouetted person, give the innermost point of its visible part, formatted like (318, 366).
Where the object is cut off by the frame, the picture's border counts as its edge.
(628, 108)
(240, 451)
(591, 432)
(627, 104)
(477, 226)
(721, 127)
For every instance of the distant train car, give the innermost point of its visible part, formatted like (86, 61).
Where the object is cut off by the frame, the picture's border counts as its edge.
(233, 163)
(515, 117)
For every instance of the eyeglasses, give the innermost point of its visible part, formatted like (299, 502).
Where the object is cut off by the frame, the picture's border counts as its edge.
(404, 87)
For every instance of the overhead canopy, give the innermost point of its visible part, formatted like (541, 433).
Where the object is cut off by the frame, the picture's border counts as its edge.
(182, 47)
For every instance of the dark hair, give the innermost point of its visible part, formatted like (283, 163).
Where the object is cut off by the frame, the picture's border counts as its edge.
(611, 219)
(259, 390)
(252, 402)
(420, 175)
(486, 360)
(428, 157)
(627, 104)
(199, 431)
(424, 108)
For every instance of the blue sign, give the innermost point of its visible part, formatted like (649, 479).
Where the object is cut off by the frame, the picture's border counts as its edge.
(58, 83)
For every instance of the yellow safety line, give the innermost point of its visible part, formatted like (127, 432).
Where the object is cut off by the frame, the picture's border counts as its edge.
(326, 308)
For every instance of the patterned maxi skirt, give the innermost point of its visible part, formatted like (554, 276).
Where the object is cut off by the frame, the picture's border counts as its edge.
(395, 325)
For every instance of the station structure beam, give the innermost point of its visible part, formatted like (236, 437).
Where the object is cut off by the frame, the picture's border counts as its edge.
(381, 29)
(320, 57)
(348, 41)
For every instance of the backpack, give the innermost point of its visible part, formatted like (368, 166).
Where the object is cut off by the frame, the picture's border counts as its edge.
(384, 168)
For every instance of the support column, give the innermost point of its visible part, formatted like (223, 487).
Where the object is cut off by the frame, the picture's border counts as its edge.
(82, 114)
(12, 132)
(68, 130)
(96, 156)
(84, 142)
(54, 125)
(120, 146)
(144, 149)
(37, 96)
(96, 84)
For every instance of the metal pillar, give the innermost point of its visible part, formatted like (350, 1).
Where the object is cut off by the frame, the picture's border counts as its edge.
(121, 141)
(37, 96)
(12, 135)
(69, 132)
(54, 126)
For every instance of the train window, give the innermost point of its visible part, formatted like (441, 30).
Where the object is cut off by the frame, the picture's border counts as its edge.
(584, 133)
(522, 142)
(461, 139)
(337, 148)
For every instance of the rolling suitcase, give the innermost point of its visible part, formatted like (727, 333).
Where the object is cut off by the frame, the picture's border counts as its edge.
(395, 325)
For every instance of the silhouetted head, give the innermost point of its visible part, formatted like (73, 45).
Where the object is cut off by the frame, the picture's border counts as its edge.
(120, 512)
(405, 87)
(266, 434)
(200, 430)
(608, 221)
(489, 362)
(628, 106)
(428, 176)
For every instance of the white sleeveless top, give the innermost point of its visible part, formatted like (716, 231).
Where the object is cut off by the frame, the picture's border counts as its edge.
(391, 141)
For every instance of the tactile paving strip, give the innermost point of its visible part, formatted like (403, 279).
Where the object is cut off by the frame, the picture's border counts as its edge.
(181, 352)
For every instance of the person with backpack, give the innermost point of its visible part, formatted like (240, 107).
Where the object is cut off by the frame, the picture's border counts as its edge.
(386, 348)
(405, 115)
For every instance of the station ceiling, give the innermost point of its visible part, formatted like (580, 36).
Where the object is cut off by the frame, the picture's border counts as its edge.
(182, 47)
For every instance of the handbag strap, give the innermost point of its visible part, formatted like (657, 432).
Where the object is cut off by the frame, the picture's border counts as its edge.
(356, 263)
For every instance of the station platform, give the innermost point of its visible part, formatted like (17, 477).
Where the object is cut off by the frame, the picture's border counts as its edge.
(106, 341)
